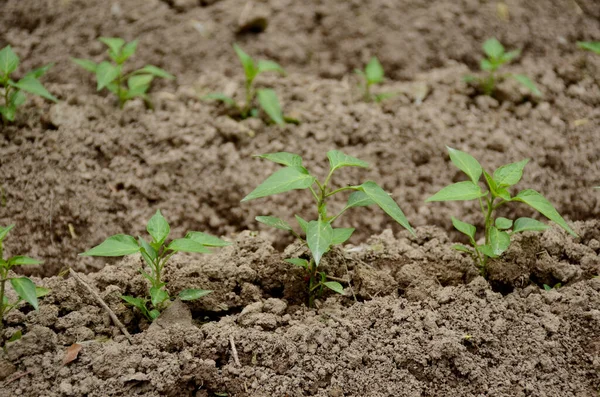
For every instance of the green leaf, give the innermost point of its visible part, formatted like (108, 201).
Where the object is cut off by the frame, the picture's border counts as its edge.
(148, 252)
(207, 239)
(499, 241)
(9, 61)
(41, 291)
(491, 183)
(338, 159)
(250, 69)
(8, 113)
(191, 294)
(341, 235)
(4, 231)
(503, 193)
(106, 74)
(466, 163)
(284, 180)
(503, 223)
(158, 227)
(334, 286)
(140, 80)
(114, 44)
(510, 55)
(593, 46)
(285, 158)
(359, 199)
(493, 48)
(88, 65)
(374, 71)
(459, 191)
(117, 245)
(297, 262)
(152, 314)
(486, 65)
(158, 296)
(275, 222)
(33, 85)
(510, 174)
(23, 261)
(539, 203)
(319, 236)
(155, 71)
(269, 66)
(462, 248)
(136, 302)
(17, 98)
(529, 224)
(15, 337)
(217, 96)
(487, 250)
(187, 245)
(527, 83)
(386, 203)
(128, 51)
(267, 98)
(39, 72)
(303, 224)
(464, 227)
(25, 288)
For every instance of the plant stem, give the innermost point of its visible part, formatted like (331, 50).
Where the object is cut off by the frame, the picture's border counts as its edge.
(341, 190)
(248, 105)
(312, 269)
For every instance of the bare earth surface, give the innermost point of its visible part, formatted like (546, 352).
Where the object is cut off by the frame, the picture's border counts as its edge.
(424, 323)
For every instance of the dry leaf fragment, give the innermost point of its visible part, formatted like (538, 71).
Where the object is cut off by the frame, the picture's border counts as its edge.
(72, 353)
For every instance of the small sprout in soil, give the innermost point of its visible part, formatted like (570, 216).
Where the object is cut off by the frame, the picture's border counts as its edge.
(497, 230)
(13, 90)
(320, 234)
(496, 57)
(593, 46)
(373, 74)
(111, 76)
(25, 288)
(267, 98)
(156, 254)
(549, 288)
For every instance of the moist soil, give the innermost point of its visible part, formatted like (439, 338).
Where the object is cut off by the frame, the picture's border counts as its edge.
(416, 319)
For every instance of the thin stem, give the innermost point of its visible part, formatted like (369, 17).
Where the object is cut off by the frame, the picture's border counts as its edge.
(314, 194)
(6, 95)
(341, 190)
(249, 98)
(338, 215)
(488, 219)
(327, 180)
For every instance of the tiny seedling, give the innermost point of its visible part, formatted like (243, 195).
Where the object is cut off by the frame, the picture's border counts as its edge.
(496, 57)
(373, 74)
(320, 234)
(549, 288)
(156, 255)
(497, 230)
(267, 98)
(111, 76)
(23, 286)
(13, 90)
(593, 46)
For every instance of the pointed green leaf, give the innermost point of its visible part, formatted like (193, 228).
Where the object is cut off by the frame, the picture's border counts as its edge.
(510, 55)
(503, 223)
(341, 235)
(386, 203)
(499, 241)
(539, 203)
(25, 288)
(15, 337)
(462, 248)
(128, 51)
(136, 302)
(374, 71)
(510, 174)
(529, 224)
(187, 245)
(338, 159)
(466, 163)
(487, 251)
(4, 231)
(105, 74)
(117, 245)
(8, 112)
(593, 46)
(88, 65)
(207, 239)
(140, 80)
(158, 296)
(319, 236)
(486, 65)
(285, 158)
(359, 199)
(33, 85)
(527, 83)
(17, 98)
(23, 261)
(41, 291)
(9, 61)
(491, 183)
(250, 69)
(155, 71)
(303, 224)
(39, 72)
(267, 98)
(297, 262)
(148, 252)
(464, 227)
(269, 66)
(217, 96)
(504, 194)
(334, 286)
(275, 222)
(191, 294)
(493, 48)
(284, 180)
(114, 44)
(459, 191)
(158, 227)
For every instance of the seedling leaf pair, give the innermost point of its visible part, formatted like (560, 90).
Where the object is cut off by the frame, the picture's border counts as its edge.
(373, 75)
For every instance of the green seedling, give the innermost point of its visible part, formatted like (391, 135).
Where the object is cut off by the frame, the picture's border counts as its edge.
(320, 235)
(111, 76)
(549, 288)
(13, 90)
(156, 255)
(267, 98)
(23, 286)
(373, 74)
(496, 57)
(497, 230)
(593, 46)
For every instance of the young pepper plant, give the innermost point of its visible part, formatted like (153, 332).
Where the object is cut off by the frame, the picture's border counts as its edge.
(320, 235)
(267, 98)
(156, 255)
(111, 76)
(496, 57)
(13, 90)
(373, 74)
(497, 231)
(23, 286)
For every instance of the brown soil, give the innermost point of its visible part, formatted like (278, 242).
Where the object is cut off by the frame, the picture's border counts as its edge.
(78, 171)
